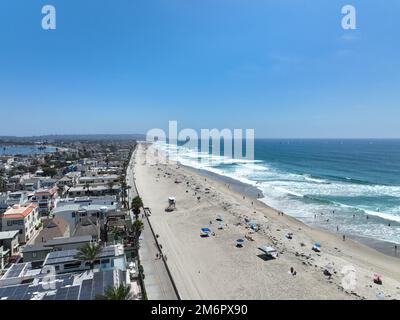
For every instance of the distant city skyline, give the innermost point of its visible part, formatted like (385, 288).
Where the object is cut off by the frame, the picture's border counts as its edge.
(286, 69)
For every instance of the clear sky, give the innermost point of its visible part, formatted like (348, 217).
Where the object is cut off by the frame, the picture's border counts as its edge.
(285, 68)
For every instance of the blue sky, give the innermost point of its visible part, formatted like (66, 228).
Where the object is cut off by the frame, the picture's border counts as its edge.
(285, 68)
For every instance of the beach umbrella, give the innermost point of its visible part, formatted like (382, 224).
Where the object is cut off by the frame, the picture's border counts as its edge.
(240, 242)
(205, 230)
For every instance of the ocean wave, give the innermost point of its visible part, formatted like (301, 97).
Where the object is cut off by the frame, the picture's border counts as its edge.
(311, 194)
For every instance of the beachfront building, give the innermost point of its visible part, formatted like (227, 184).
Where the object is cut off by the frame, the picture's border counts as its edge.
(55, 227)
(24, 218)
(99, 179)
(93, 190)
(24, 282)
(64, 182)
(107, 200)
(3, 202)
(37, 252)
(86, 219)
(45, 199)
(9, 241)
(65, 261)
(17, 198)
(8, 246)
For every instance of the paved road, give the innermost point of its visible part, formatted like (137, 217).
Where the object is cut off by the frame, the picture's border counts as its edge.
(157, 281)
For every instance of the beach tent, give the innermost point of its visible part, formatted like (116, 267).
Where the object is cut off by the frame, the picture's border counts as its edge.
(239, 243)
(316, 247)
(269, 251)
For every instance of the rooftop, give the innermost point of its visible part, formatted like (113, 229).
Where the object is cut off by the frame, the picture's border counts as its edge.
(57, 241)
(67, 256)
(83, 286)
(19, 211)
(4, 235)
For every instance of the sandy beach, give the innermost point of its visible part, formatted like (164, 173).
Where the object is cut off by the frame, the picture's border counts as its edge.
(214, 268)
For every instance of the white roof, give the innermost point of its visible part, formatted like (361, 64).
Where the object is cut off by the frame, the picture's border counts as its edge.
(267, 249)
(8, 234)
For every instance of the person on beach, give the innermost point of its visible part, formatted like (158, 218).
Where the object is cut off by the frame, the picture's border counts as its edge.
(337, 228)
(344, 238)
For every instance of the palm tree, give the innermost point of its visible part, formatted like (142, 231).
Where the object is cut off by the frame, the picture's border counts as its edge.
(89, 253)
(121, 292)
(136, 229)
(136, 204)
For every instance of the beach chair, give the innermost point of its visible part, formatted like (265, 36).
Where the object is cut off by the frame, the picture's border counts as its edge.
(316, 247)
(205, 232)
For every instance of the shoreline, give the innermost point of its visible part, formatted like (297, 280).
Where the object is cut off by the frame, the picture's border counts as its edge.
(214, 267)
(250, 191)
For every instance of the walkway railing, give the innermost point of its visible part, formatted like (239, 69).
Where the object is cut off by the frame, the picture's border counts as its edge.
(146, 212)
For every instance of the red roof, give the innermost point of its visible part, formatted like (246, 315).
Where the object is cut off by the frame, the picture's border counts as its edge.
(19, 212)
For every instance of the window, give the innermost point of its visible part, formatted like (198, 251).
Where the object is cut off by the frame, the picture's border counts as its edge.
(73, 214)
(34, 254)
(72, 265)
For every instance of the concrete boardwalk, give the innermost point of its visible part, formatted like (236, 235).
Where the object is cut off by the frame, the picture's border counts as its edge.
(157, 282)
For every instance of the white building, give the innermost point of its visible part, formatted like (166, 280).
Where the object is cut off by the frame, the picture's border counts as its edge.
(24, 218)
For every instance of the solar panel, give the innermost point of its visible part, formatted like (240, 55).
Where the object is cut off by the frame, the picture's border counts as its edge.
(21, 289)
(9, 292)
(15, 270)
(73, 293)
(61, 294)
(108, 279)
(49, 297)
(86, 290)
(27, 296)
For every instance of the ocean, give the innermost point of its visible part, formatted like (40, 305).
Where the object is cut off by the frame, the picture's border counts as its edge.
(353, 185)
(24, 150)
